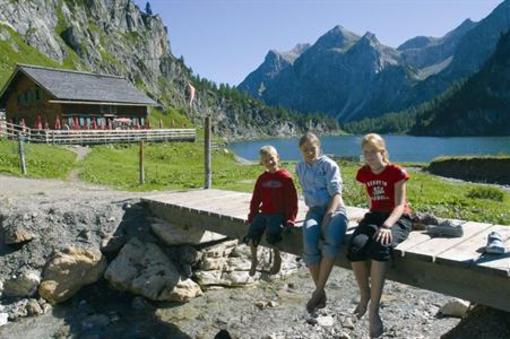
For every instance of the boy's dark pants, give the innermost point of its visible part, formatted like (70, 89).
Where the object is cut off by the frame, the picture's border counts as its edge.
(272, 223)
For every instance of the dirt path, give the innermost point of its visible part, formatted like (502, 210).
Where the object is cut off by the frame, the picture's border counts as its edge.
(81, 153)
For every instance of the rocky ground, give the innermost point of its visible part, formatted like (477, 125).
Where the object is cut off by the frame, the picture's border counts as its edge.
(57, 215)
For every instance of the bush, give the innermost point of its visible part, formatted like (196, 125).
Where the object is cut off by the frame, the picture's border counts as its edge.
(489, 193)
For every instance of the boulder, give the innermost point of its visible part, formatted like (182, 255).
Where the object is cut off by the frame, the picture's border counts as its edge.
(143, 269)
(22, 284)
(172, 234)
(455, 308)
(70, 270)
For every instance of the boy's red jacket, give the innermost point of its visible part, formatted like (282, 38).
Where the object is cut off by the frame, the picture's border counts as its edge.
(275, 193)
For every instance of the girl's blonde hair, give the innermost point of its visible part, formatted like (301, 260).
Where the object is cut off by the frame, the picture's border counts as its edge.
(310, 137)
(267, 150)
(376, 141)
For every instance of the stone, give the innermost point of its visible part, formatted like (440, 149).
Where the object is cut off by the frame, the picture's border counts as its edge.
(33, 308)
(22, 284)
(70, 270)
(4, 319)
(347, 323)
(221, 250)
(325, 321)
(143, 269)
(209, 264)
(173, 235)
(455, 308)
(111, 244)
(17, 235)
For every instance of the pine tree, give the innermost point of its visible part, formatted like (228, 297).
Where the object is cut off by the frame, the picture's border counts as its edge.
(148, 8)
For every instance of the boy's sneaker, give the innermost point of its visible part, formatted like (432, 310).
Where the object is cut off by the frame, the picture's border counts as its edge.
(495, 244)
(446, 228)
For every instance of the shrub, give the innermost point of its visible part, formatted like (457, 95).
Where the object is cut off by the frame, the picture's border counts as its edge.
(490, 193)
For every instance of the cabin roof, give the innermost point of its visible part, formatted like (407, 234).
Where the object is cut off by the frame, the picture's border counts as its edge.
(72, 85)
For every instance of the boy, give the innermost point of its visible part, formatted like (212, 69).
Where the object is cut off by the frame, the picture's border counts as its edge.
(273, 205)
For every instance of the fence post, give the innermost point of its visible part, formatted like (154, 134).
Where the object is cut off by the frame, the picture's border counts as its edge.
(207, 151)
(142, 171)
(22, 163)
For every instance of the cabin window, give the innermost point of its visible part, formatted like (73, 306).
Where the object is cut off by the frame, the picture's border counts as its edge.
(38, 94)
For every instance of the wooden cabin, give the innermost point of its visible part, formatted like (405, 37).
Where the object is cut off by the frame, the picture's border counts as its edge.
(59, 98)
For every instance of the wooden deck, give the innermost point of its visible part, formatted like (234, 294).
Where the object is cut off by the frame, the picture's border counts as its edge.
(453, 266)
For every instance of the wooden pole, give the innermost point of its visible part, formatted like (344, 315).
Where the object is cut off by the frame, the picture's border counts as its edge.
(207, 151)
(22, 163)
(142, 171)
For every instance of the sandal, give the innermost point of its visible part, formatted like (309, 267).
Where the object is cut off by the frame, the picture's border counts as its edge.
(495, 244)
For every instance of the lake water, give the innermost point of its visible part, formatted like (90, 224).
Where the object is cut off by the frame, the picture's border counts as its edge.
(401, 147)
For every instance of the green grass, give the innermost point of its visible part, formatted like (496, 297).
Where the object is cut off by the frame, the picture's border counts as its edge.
(42, 161)
(171, 118)
(181, 166)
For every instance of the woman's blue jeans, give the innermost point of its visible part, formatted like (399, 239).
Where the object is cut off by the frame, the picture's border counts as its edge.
(332, 235)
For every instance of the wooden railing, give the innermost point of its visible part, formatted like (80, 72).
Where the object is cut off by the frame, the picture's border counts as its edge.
(81, 137)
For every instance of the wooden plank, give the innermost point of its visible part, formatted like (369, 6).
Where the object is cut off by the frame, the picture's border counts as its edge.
(180, 198)
(430, 249)
(470, 254)
(415, 238)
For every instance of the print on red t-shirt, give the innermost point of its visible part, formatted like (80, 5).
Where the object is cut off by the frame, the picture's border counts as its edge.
(381, 187)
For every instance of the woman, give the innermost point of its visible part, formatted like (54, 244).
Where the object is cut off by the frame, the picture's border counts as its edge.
(326, 218)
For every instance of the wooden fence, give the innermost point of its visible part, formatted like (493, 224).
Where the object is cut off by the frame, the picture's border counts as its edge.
(82, 137)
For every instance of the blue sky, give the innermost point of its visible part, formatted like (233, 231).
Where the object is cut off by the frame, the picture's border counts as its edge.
(224, 40)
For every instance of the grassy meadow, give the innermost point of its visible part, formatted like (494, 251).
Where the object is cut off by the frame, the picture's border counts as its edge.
(181, 166)
(42, 161)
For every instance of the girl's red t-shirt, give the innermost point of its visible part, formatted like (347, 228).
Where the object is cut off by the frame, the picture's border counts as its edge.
(381, 187)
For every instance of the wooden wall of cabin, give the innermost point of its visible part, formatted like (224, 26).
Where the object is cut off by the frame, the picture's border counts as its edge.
(23, 103)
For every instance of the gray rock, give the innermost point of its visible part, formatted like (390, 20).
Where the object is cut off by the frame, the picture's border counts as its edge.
(22, 284)
(34, 308)
(455, 308)
(4, 319)
(143, 269)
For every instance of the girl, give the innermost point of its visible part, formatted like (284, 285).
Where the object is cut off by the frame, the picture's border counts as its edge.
(326, 217)
(382, 228)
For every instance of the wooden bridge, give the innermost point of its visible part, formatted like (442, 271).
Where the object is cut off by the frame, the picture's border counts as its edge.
(453, 266)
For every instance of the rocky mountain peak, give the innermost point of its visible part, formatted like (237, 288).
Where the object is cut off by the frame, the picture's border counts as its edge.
(296, 52)
(416, 42)
(337, 37)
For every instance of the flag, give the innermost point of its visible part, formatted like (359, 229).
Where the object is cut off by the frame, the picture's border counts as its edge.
(38, 123)
(191, 91)
(57, 123)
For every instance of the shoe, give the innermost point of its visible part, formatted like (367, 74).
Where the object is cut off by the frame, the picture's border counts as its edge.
(446, 228)
(495, 244)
